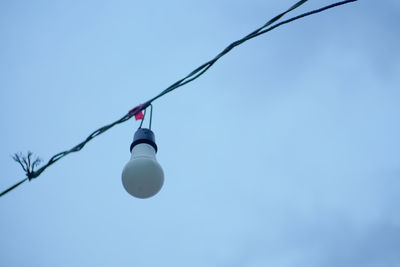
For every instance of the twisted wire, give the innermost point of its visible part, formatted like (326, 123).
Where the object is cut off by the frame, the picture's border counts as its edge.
(196, 73)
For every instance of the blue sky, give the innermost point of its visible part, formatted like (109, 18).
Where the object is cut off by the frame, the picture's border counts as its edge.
(286, 153)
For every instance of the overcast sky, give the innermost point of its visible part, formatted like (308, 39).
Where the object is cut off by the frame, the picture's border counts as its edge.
(285, 153)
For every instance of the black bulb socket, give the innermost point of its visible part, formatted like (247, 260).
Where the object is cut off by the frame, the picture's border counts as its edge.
(144, 136)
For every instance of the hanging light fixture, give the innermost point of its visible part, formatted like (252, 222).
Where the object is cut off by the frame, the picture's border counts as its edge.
(142, 176)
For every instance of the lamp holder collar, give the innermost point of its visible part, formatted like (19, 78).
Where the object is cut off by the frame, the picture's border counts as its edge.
(144, 135)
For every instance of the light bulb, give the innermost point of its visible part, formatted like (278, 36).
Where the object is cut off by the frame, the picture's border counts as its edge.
(143, 176)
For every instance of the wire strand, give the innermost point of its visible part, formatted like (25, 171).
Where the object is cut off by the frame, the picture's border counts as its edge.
(151, 115)
(196, 73)
(12, 187)
(144, 116)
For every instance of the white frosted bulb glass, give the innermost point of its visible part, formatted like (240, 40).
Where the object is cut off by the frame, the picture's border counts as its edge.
(143, 176)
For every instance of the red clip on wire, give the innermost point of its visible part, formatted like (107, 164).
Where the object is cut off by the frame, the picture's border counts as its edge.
(138, 114)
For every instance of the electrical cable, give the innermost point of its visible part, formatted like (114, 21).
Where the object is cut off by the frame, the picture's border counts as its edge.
(144, 116)
(151, 115)
(196, 73)
(12, 187)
